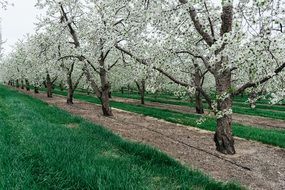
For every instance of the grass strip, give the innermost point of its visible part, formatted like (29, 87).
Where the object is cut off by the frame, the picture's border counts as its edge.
(260, 110)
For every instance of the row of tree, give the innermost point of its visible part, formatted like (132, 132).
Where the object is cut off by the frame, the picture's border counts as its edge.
(192, 47)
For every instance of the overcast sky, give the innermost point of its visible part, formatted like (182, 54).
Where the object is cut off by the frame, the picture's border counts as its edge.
(17, 21)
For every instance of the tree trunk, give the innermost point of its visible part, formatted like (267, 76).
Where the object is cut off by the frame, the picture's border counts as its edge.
(17, 83)
(70, 96)
(141, 90)
(27, 84)
(36, 90)
(122, 90)
(199, 102)
(22, 84)
(49, 86)
(105, 86)
(199, 80)
(142, 98)
(105, 101)
(70, 89)
(223, 136)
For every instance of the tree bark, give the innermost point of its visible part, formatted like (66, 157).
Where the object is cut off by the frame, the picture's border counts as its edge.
(199, 102)
(70, 89)
(199, 81)
(70, 96)
(223, 136)
(142, 92)
(36, 90)
(141, 89)
(17, 83)
(105, 101)
(49, 86)
(22, 84)
(105, 91)
(27, 84)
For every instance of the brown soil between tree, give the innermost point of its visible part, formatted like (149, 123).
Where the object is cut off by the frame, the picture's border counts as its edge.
(190, 146)
(255, 121)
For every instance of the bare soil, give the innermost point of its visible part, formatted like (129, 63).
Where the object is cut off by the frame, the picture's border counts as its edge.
(255, 165)
(256, 121)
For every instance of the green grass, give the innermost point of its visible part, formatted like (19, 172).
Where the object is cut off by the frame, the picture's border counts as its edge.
(261, 106)
(39, 150)
(260, 110)
(268, 136)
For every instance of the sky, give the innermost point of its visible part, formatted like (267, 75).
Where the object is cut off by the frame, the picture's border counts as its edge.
(17, 21)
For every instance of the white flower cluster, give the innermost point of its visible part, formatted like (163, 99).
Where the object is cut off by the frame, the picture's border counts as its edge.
(223, 113)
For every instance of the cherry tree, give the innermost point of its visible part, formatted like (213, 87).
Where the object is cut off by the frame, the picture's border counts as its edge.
(94, 28)
(220, 35)
(224, 57)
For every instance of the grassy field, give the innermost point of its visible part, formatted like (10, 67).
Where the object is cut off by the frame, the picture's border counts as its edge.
(43, 147)
(264, 110)
(267, 136)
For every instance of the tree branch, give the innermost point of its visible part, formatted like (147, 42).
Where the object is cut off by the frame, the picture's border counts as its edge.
(198, 26)
(255, 84)
(144, 62)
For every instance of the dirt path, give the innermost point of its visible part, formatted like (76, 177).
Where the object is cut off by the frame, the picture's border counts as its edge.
(256, 165)
(256, 121)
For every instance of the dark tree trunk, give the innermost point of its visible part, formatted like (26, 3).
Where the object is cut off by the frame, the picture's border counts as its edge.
(142, 98)
(142, 93)
(17, 83)
(36, 90)
(223, 136)
(199, 80)
(49, 86)
(141, 90)
(105, 91)
(22, 84)
(70, 89)
(70, 96)
(199, 102)
(122, 90)
(27, 84)
(105, 101)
